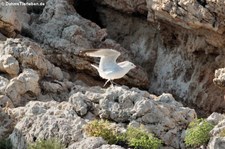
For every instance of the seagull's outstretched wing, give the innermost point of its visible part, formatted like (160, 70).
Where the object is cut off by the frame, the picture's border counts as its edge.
(108, 57)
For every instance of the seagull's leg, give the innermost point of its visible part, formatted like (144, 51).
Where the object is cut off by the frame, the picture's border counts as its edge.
(113, 83)
(106, 82)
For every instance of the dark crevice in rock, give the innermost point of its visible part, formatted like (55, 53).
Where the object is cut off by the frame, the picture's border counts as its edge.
(87, 9)
(139, 15)
(26, 33)
(215, 19)
(36, 9)
(202, 2)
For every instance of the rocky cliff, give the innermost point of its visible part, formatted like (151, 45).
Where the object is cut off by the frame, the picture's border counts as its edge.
(48, 89)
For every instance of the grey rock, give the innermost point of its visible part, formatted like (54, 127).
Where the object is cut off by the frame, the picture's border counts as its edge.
(13, 18)
(182, 71)
(107, 146)
(6, 102)
(9, 65)
(215, 118)
(161, 115)
(30, 55)
(217, 139)
(42, 120)
(7, 122)
(219, 79)
(88, 143)
(26, 82)
(189, 13)
(25, 65)
(81, 104)
(3, 84)
(216, 142)
(218, 128)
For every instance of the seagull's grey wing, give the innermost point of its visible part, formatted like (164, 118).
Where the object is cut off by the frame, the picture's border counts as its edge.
(108, 61)
(108, 57)
(102, 53)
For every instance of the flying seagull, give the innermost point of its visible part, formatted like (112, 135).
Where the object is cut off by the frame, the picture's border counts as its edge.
(108, 68)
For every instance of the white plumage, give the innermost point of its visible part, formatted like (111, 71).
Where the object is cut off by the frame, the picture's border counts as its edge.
(108, 67)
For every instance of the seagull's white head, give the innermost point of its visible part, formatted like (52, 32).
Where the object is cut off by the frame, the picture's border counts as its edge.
(128, 65)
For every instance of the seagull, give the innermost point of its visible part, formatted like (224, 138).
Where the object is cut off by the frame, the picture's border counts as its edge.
(108, 68)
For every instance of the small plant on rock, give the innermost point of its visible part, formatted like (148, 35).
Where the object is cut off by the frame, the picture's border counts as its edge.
(5, 144)
(198, 133)
(101, 128)
(46, 144)
(222, 133)
(138, 138)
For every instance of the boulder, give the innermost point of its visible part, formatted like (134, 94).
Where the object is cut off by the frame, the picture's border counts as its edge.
(43, 120)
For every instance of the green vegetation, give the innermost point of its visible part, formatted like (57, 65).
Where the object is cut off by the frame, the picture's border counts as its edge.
(5, 144)
(133, 137)
(222, 133)
(46, 144)
(138, 138)
(198, 133)
(101, 128)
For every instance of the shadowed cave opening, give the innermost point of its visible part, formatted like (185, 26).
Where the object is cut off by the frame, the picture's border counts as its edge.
(87, 9)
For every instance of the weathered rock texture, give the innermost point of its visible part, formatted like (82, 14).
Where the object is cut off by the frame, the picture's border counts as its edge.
(217, 133)
(219, 79)
(93, 143)
(46, 120)
(12, 18)
(179, 43)
(180, 48)
(162, 115)
(7, 122)
(25, 70)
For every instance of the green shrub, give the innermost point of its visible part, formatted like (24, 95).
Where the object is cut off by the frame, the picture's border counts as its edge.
(101, 128)
(138, 138)
(222, 133)
(46, 144)
(133, 137)
(198, 133)
(5, 144)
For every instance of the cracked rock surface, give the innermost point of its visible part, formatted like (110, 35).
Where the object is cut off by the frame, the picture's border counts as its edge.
(162, 115)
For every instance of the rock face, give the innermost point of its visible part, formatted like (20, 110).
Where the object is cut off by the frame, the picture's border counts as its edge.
(162, 115)
(13, 18)
(45, 82)
(180, 44)
(24, 66)
(7, 122)
(46, 120)
(178, 50)
(64, 33)
(217, 133)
